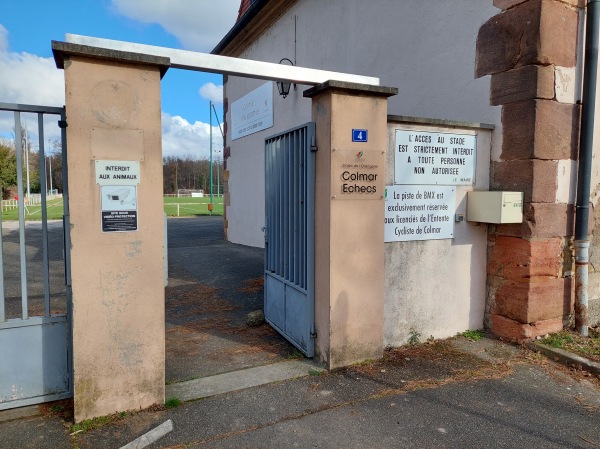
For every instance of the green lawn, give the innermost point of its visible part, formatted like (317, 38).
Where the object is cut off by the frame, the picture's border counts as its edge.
(34, 213)
(173, 207)
(189, 207)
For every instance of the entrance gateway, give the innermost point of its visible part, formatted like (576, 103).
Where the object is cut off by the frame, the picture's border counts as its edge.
(113, 108)
(35, 313)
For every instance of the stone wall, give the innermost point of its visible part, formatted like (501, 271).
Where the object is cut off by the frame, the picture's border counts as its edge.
(527, 49)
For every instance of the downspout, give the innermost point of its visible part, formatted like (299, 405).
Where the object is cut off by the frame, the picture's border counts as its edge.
(584, 174)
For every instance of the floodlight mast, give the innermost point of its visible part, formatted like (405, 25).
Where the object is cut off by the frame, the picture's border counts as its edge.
(204, 62)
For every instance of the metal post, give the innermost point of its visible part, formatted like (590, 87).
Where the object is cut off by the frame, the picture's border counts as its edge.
(2, 289)
(50, 171)
(586, 145)
(27, 160)
(21, 202)
(44, 205)
(213, 110)
(211, 170)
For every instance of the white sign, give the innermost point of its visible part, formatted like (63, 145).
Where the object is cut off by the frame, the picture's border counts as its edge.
(119, 208)
(252, 112)
(117, 173)
(419, 213)
(425, 158)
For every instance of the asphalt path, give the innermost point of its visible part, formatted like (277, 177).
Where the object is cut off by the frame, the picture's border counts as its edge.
(454, 394)
(206, 334)
(213, 285)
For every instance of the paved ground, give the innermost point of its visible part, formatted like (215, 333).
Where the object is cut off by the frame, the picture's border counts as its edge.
(450, 394)
(454, 394)
(213, 285)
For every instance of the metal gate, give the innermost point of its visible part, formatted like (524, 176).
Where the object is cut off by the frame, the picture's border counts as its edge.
(35, 303)
(289, 235)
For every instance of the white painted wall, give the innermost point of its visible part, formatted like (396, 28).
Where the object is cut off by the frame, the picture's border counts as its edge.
(438, 287)
(246, 212)
(425, 48)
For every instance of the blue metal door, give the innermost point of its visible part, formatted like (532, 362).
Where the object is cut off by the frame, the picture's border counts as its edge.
(35, 343)
(289, 235)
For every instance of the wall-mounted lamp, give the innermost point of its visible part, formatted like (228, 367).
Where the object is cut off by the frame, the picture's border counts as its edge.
(282, 86)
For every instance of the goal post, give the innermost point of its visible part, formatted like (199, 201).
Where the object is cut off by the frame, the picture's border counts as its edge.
(190, 193)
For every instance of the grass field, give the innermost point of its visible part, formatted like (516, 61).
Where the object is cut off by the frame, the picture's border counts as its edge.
(189, 207)
(34, 213)
(173, 206)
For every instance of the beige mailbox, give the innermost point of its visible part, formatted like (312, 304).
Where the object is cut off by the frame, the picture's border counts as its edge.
(495, 207)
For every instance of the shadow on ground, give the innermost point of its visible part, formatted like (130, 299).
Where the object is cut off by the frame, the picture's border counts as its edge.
(213, 285)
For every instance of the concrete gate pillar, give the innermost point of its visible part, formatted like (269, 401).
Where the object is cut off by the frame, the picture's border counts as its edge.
(114, 114)
(349, 212)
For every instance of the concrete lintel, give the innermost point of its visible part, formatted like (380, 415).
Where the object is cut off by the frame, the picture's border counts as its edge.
(202, 62)
(354, 88)
(63, 50)
(438, 122)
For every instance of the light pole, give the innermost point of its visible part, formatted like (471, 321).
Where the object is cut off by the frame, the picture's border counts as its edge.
(211, 109)
(27, 159)
(218, 173)
(50, 172)
(210, 182)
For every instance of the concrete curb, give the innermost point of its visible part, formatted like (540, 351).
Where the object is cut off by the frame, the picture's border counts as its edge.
(238, 380)
(17, 413)
(566, 358)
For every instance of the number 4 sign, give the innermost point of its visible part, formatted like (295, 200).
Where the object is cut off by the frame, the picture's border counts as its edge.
(359, 135)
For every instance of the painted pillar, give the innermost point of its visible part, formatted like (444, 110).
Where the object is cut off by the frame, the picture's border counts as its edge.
(530, 51)
(114, 114)
(349, 211)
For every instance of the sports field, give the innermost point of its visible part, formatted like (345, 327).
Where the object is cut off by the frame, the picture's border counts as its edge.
(173, 206)
(189, 207)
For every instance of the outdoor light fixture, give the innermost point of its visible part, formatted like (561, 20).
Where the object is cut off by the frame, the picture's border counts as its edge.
(282, 86)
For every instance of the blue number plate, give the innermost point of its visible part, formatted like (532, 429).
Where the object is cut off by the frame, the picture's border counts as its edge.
(360, 135)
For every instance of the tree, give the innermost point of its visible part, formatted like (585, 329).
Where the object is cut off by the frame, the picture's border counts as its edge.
(54, 165)
(8, 168)
(185, 173)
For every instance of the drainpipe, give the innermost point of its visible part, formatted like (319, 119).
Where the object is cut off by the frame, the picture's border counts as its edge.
(582, 244)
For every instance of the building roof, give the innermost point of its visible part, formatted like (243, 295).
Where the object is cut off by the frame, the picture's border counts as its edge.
(254, 16)
(244, 6)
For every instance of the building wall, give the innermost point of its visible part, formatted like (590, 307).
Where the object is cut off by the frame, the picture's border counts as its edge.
(438, 287)
(427, 49)
(529, 49)
(245, 189)
(424, 48)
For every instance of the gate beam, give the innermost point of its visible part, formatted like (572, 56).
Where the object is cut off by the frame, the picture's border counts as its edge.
(203, 62)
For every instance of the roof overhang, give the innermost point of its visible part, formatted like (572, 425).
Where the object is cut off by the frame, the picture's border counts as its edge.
(261, 15)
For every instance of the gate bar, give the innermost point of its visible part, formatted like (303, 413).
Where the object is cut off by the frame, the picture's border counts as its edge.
(43, 191)
(2, 292)
(21, 202)
(30, 108)
(66, 209)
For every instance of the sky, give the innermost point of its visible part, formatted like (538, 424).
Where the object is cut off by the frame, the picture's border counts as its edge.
(28, 74)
